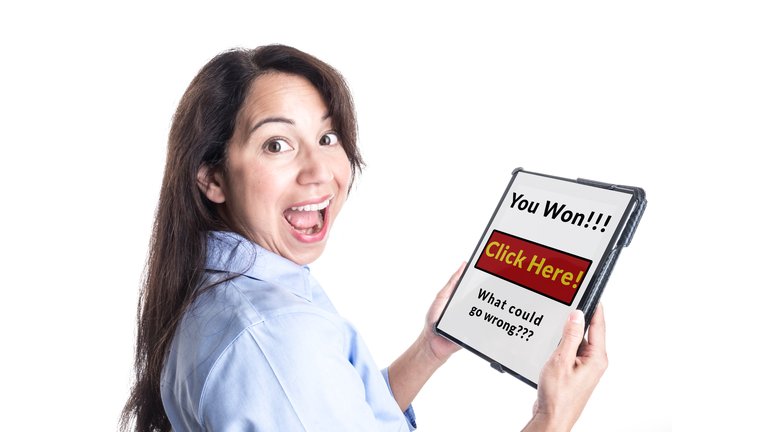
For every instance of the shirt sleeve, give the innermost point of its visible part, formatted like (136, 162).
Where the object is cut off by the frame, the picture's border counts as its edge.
(409, 414)
(299, 372)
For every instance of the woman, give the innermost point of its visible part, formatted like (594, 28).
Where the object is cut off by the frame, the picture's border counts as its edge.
(233, 331)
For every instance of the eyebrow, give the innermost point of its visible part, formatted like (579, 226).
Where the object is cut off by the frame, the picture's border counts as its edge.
(271, 120)
(280, 120)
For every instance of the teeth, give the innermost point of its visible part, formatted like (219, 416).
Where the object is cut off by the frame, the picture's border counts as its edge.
(313, 207)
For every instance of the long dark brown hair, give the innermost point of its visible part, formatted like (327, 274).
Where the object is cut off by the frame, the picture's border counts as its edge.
(202, 126)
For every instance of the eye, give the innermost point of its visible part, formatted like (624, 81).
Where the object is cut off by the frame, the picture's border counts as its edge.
(277, 146)
(329, 139)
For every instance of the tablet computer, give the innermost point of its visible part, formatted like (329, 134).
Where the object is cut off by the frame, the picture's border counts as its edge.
(548, 249)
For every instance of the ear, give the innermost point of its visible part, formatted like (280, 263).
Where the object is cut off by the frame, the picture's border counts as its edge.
(211, 182)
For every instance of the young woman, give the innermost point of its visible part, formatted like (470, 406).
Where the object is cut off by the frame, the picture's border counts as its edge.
(234, 334)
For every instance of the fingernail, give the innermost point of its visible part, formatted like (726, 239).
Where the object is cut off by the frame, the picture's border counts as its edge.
(577, 316)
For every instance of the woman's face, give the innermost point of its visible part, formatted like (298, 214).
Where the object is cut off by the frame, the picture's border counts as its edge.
(287, 173)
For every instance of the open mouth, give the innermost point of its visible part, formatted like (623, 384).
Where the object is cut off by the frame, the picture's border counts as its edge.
(308, 219)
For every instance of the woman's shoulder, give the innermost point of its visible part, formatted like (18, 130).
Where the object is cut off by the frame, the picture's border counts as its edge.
(242, 302)
(242, 311)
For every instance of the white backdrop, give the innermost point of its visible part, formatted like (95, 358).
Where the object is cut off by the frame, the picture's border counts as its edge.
(671, 96)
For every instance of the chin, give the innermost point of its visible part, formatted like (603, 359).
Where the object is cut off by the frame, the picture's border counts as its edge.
(306, 257)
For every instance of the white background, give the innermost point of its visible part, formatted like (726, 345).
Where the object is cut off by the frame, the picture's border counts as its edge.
(671, 96)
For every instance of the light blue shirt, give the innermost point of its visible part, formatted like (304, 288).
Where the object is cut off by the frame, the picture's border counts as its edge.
(267, 351)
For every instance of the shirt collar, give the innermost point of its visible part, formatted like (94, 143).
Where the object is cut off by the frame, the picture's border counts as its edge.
(230, 252)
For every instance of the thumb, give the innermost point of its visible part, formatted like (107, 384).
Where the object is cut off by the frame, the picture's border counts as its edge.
(573, 334)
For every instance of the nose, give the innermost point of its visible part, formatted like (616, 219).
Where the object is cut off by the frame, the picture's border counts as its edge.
(315, 168)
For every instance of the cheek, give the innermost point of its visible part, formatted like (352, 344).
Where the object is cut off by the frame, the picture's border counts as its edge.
(265, 189)
(253, 189)
(342, 174)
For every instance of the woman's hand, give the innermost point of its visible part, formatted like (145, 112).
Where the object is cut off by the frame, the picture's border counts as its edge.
(570, 375)
(409, 373)
(440, 347)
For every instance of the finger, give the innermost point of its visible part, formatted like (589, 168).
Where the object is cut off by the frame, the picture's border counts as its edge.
(573, 334)
(448, 288)
(597, 329)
